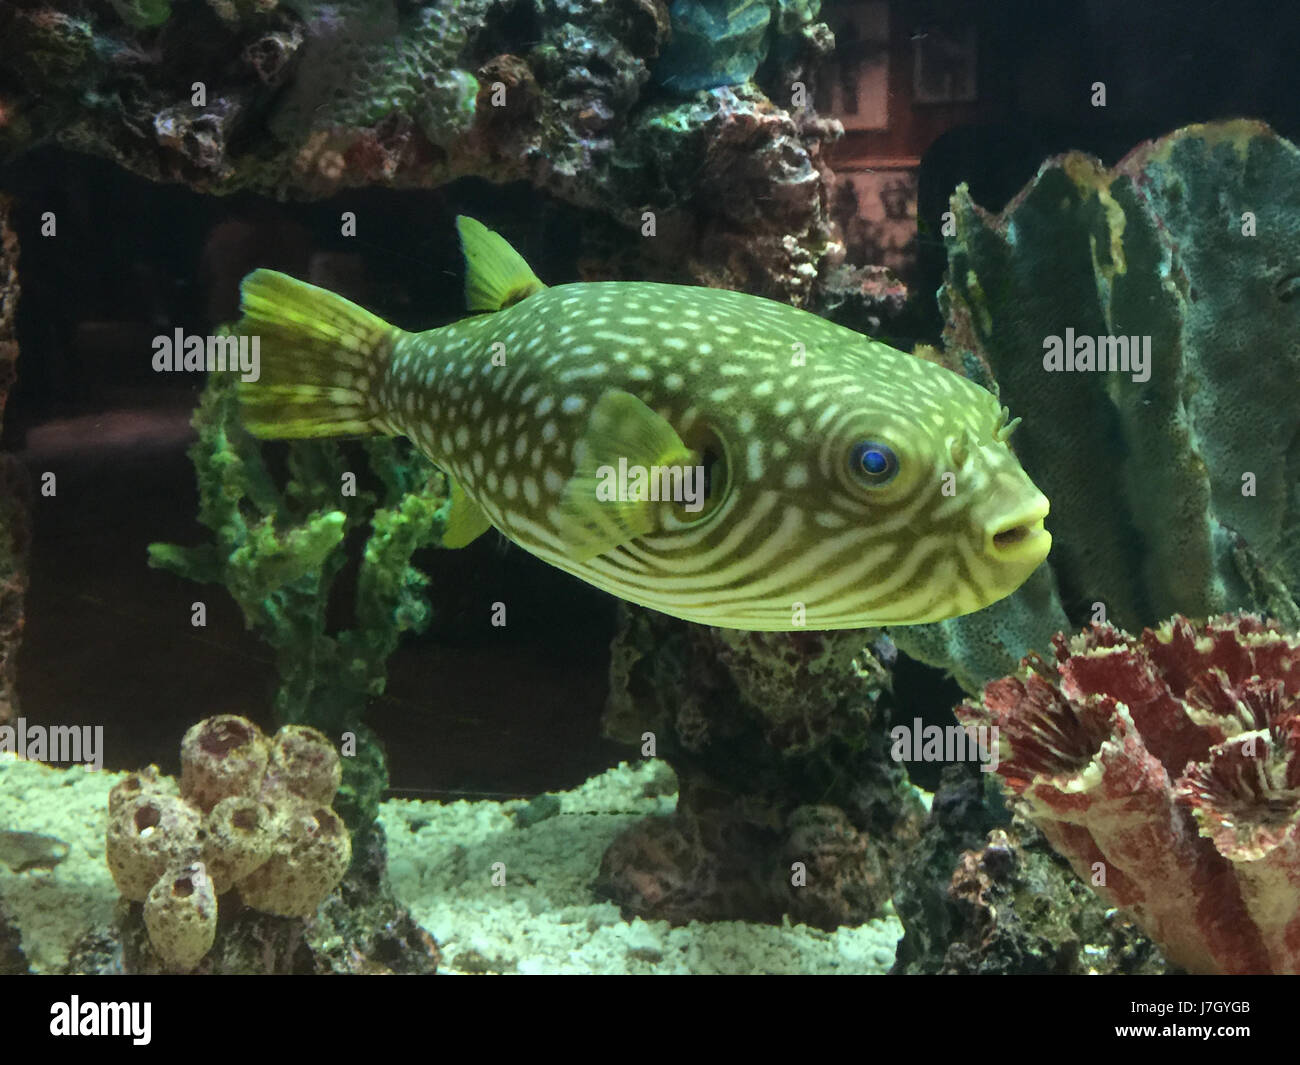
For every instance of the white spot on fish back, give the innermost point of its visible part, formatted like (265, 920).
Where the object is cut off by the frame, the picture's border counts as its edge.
(598, 369)
(754, 460)
(796, 475)
(673, 382)
(549, 432)
(554, 482)
(530, 492)
(462, 436)
(745, 422)
(544, 406)
(573, 405)
(784, 407)
(827, 416)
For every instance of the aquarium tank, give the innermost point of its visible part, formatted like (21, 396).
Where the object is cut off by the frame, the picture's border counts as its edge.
(649, 487)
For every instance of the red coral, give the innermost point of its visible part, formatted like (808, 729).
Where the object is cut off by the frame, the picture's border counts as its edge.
(1166, 768)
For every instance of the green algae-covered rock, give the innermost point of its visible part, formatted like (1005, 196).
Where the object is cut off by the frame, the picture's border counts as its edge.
(1173, 489)
(723, 42)
(714, 43)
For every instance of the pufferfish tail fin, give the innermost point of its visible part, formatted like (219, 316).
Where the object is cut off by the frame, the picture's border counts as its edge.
(321, 360)
(496, 276)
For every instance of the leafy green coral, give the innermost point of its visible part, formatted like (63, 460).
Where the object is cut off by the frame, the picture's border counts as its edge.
(1176, 490)
(279, 551)
(143, 14)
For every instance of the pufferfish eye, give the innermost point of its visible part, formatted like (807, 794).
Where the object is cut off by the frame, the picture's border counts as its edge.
(873, 463)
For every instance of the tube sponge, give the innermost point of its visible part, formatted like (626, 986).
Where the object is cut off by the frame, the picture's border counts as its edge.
(310, 854)
(304, 763)
(252, 814)
(238, 839)
(181, 916)
(222, 756)
(148, 835)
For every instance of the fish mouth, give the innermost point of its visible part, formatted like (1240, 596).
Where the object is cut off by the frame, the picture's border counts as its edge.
(1020, 536)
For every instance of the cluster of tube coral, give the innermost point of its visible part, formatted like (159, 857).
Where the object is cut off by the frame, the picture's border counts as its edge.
(1166, 768)
(251, 814)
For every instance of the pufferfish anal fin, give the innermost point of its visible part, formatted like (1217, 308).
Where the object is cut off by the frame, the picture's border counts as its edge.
(620, 426)
(496, 275)
(466, 521)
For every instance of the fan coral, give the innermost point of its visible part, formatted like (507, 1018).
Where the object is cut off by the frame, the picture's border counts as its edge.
(1166, 768)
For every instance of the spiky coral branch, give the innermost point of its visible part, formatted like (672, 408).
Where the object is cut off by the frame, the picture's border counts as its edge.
(279, 551)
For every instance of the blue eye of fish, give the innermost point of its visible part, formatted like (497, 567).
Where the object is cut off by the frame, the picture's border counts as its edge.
(873, 463)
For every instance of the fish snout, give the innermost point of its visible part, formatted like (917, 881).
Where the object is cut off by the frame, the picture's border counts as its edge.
(1019, 536)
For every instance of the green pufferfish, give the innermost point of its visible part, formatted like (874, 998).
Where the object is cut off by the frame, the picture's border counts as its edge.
(841, 483)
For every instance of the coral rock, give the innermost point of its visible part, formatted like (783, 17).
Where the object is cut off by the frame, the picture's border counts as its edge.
(148, 835)
(1166, 768)
(181, 916)
(222, 756)
(310, 855)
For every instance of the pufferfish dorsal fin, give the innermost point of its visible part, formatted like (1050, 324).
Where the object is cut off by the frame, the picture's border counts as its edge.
(466, 521)
(619, 426)
(496, 275)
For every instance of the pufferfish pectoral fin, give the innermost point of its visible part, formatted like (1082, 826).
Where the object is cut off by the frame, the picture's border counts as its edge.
(596, 514)
(466, 521)
(496, 275)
